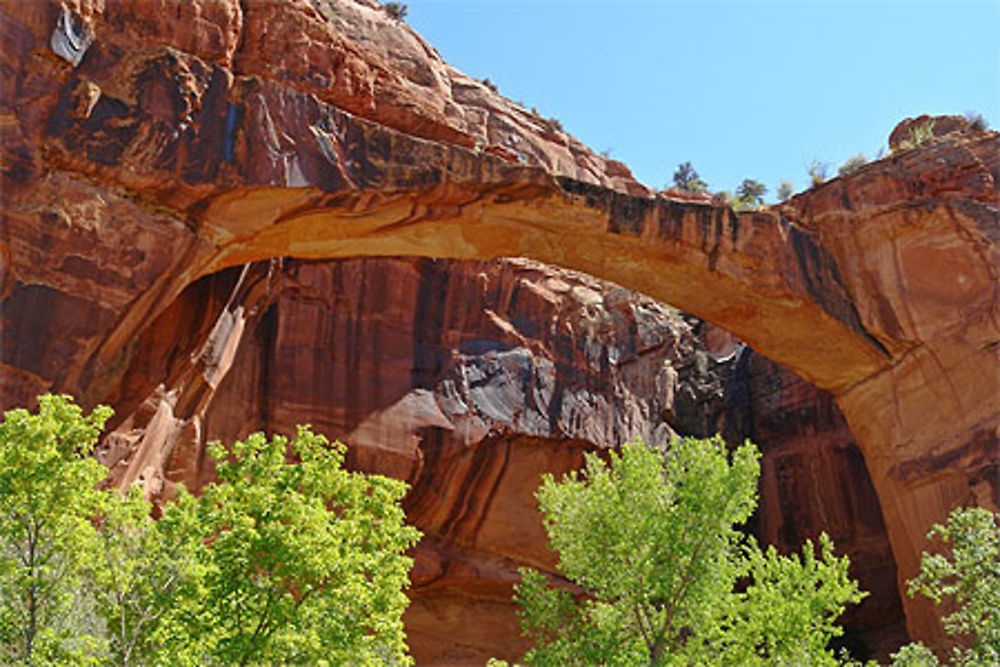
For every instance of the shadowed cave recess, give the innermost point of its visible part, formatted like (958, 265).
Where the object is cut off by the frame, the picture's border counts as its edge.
(470, 379)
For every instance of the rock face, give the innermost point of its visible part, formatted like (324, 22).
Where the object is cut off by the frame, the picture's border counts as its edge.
(469, 380)
(145, 162)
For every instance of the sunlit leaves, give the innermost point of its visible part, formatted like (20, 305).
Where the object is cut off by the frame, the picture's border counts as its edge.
(288, 558)
(665, 577)
(789, 609)
(306, 559)
(969, 576)
(47, 495)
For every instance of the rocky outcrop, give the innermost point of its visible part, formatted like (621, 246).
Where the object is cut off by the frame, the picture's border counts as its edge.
(912, 131)
(141, 157)
(917, 240)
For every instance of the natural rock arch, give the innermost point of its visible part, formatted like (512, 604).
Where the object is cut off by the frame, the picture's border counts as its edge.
(889, 303)
(221, 149)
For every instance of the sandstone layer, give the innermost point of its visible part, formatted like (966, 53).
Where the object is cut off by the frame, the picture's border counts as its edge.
(141, 155)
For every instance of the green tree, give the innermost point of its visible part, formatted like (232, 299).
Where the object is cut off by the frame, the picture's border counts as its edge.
(651, 537)
(688, 180)
(396, 10)
(146, 580)
(306, 560)
(852, 164)
(284, 560)
(785, 190)
(47, 495)
(970, 577)
(749, 195)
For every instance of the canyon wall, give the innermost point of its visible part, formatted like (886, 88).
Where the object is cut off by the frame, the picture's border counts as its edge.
(469, 380)
(144, 161)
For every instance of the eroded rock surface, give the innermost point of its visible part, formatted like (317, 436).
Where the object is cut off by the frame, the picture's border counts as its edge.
(467, 379)
(470, 380)
(140, 156)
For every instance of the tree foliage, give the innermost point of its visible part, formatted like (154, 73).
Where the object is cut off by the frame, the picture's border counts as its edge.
(652, 539)
(688, 180)
(306, 559)
(969, 576)
(749, 195)
(47, 496)
(288, 558)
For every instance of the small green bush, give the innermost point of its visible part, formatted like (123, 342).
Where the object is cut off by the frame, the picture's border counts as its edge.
(967, 573)
(852, 164)
(818, 172)
(688, 180)
(785, 190)
(919, 135)
(749, 195)
(977, 123)
(396, 10)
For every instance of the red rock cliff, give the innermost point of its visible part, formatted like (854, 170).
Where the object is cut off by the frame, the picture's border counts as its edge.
(470, 380)
(141, 156)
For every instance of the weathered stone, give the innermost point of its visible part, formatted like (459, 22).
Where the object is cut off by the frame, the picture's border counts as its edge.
(932, 126)
(227, 137)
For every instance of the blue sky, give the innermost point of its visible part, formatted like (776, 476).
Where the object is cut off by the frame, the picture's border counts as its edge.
(740, 88)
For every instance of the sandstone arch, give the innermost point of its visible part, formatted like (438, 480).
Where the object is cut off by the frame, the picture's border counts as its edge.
(881, 287)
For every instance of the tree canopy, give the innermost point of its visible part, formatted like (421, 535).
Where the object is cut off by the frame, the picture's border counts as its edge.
(688, 180)
(288, 558)
(652, 540)
(306, 560)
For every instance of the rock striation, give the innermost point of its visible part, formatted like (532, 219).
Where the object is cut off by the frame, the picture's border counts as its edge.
(146, 162)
